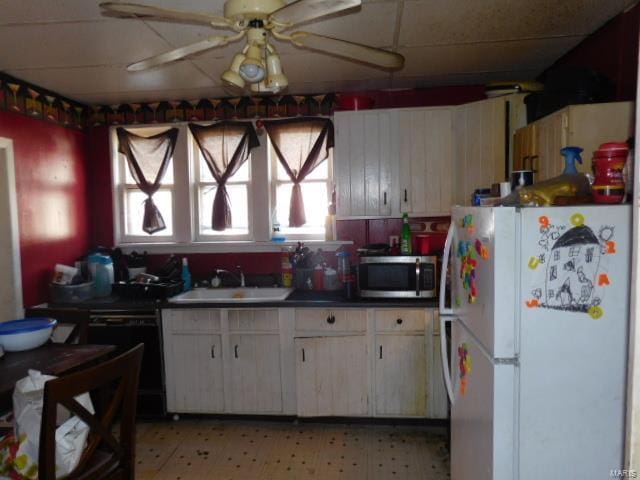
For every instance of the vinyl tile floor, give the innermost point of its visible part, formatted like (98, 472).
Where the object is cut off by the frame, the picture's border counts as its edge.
(249, 450)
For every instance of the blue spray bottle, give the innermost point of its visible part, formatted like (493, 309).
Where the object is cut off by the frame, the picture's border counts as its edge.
(571, 156)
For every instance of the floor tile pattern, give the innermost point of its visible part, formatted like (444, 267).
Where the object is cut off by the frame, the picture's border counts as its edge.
(244, 450)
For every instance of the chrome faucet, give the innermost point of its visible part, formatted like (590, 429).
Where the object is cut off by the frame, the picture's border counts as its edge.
(239, 277)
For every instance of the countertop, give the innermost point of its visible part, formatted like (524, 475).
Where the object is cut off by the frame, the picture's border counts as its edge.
(298, 299)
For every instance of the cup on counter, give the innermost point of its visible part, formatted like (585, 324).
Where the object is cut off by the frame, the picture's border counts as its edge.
(521, 178)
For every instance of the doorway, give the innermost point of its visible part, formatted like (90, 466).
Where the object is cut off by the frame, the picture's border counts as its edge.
(11, 306)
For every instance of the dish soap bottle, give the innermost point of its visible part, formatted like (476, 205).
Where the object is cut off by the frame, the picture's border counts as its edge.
(186, 275)
(405, 241)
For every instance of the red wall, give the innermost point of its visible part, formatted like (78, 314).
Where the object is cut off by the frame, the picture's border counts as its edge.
(612, 51)
(52, 198)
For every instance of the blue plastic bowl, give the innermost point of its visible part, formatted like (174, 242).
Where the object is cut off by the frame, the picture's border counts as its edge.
(25, 334)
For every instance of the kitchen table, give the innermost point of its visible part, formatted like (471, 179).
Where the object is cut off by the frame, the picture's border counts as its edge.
(50, 359)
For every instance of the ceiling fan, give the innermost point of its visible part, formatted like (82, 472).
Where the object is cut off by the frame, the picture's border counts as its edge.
(258, 63)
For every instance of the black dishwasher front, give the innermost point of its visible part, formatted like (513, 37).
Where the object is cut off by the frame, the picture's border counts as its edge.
(126, 329)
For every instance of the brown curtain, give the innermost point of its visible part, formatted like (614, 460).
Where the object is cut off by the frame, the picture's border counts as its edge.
(301, 144)
(225, 146)
(148, 158)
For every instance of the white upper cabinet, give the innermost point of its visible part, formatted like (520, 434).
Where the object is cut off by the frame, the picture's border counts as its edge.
(482, 148)
(424, 139)
(363, 160)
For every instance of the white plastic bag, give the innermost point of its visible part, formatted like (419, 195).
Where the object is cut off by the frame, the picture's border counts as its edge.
(71, 435)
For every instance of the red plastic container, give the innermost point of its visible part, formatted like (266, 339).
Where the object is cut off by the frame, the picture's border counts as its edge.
(607, 164)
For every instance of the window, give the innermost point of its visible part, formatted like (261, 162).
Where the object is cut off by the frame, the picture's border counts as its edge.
(315, 194)
(257, 190)
(131, 199)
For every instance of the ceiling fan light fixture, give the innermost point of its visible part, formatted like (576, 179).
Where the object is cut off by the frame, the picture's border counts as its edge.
(232, 76)
(275, 77)
(252, 68)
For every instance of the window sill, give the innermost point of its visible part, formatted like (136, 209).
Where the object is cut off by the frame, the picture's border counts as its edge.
(230, 247)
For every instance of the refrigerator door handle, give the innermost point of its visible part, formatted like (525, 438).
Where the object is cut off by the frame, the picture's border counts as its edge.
(445, 267)
(446, 372)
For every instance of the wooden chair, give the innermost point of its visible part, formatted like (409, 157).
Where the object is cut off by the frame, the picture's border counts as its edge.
(77, 317)
(105, 456)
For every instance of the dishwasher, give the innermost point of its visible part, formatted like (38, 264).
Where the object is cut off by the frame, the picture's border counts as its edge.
(126, 329)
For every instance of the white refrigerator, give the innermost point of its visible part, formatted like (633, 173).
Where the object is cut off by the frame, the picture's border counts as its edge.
(539, 315)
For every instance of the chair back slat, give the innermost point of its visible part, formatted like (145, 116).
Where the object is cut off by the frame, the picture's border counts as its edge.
(122, 371)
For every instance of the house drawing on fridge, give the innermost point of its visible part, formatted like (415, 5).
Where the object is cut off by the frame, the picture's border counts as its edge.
(572, 270)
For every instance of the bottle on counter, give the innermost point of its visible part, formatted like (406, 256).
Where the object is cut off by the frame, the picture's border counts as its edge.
(287, 269)
(186, 275)
(103, 278)
(405, 240)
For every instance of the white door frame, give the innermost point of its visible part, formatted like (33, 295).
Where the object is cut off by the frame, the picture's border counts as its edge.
(9, 209)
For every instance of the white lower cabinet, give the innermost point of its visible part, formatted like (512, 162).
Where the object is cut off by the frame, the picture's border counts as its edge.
(331, 374)
(400, 376)
(254, 373)
(307, 361)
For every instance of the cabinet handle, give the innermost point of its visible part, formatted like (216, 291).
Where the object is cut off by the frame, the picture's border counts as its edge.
(385, 198)
(213, 351)
(380, 352)
(235, 350)
(331, 319)
(399, 321)
(303, 359)
(406, 199)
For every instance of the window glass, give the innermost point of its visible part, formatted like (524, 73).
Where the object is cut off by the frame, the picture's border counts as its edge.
(238, 196)
(242, 175)
(314, 195)
(134, 211)
(167, 179)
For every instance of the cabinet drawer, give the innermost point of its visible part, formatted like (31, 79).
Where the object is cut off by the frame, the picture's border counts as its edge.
(400, 320)
(243, 320)
(193, 320)
(331, 320)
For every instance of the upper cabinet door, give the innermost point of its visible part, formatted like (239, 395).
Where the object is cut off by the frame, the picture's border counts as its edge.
(424, 138)
(483, 148)
(363, 160)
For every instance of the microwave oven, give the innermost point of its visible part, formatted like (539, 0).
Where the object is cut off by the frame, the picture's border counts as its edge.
(397, 276)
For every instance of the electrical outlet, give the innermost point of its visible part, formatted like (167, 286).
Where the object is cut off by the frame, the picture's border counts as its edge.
(394, 240)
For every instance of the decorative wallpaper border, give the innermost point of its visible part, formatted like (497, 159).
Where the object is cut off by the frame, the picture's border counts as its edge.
(22, 97)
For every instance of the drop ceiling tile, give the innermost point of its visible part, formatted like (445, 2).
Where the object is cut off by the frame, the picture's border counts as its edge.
(484, 57)
(319, 87)
(306, 66)
(47, 11)
(77, 44)
(104, 80)
(438, 22)
(421, 81)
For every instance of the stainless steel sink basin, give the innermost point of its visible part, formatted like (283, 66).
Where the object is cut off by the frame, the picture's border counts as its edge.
(232, 295)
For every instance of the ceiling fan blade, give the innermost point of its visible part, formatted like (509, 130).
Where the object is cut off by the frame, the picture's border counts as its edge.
(134, 10)
(349, 50)
(180, 53)
(305, 10)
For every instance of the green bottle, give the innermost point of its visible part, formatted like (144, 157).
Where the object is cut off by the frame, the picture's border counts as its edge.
(405, 241)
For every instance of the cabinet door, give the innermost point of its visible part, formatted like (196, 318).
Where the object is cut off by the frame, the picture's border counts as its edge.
(362, 162)
(254, 373)
(400, 375)
(332, 376)
(193, 365)
(426, 156)
(551, 135)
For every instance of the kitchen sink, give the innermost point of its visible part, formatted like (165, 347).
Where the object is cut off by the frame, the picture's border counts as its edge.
(232, 295)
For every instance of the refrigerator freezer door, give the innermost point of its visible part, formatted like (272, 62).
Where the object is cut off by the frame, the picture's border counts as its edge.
(483, 275)
(573, 330)
(482, 416)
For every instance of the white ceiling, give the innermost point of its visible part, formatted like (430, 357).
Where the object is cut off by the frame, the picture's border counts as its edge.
(68, 47)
